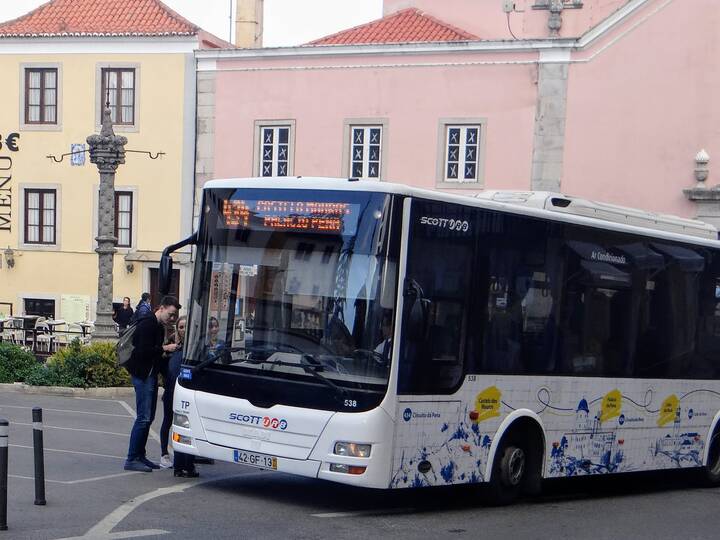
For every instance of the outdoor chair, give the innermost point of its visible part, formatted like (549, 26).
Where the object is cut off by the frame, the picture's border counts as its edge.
(61, 336)
(43, 336)
(75, 331)
(17, 333)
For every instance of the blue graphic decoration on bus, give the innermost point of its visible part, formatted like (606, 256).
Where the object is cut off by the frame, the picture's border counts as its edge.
(407, 414)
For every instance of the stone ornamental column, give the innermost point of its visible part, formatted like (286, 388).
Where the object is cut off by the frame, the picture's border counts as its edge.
(107, 151)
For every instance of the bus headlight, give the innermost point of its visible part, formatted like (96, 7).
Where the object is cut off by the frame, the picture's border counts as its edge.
(181, 420)
(352, 449)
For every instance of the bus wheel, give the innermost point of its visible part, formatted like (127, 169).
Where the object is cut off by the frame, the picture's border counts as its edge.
(712, 469)
(509, 472)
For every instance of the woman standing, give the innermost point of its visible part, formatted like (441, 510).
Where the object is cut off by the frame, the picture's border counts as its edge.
(184, 464)
(123, 315)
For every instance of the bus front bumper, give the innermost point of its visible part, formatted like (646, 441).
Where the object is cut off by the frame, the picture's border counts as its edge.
(308, 468)
(199, 447)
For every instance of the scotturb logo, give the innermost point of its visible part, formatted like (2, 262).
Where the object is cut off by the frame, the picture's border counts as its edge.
(407, 414)
(265, 421)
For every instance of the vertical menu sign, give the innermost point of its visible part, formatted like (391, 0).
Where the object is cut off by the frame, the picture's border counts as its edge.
(8, 145)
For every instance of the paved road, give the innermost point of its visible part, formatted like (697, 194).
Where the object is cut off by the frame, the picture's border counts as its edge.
(90, 496)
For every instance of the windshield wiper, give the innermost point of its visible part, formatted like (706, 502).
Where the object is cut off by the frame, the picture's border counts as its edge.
(222, 352)
(307, 363)
(310, 366)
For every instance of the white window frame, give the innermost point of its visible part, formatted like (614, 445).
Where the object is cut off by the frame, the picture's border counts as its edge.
(443, 161)
(260, 127)
(350, 125)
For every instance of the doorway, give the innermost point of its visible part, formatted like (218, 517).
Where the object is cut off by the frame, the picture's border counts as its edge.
(155, 296)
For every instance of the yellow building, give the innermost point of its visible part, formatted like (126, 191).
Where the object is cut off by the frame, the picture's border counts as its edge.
(59, 64)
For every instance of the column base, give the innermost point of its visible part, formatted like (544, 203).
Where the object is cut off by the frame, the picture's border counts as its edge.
(105, 334)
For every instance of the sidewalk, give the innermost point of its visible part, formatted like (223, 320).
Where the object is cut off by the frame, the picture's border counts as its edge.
(85, 443)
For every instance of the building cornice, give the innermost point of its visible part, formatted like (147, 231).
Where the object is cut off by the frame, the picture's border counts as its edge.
(393, 49)
(389, 49)
(99, 45)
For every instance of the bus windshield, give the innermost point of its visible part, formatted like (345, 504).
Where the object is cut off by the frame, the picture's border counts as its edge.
(294, 297)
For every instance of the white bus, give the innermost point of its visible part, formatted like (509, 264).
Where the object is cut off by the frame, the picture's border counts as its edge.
(384, 336)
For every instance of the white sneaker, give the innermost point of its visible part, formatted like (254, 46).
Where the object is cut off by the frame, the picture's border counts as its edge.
(166, 461)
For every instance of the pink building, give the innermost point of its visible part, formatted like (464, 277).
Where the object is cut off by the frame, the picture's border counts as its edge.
(605, 99)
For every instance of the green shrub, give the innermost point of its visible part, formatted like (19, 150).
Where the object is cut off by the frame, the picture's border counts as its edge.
(101, 369)
(52, 375)
(91, 366)
(15, 363)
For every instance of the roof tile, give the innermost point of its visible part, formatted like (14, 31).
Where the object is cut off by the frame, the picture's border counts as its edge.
(99, 17)
(405, 26)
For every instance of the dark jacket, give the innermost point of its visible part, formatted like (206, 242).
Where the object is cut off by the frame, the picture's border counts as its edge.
(173, 372)
(142, 310)
(148, 351)
(123, 316)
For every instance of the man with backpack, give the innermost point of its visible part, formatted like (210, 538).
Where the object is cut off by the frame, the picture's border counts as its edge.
(142, 358)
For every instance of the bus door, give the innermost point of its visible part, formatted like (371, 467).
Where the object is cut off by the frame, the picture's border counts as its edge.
(428, 447)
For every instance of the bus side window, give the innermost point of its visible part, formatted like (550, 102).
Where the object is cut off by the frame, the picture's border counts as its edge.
(520, 291)
(672, 342)
(704, 364)
(597, 315)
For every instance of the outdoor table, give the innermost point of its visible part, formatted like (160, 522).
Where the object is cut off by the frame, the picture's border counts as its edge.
(26, 323)
(53, 323)
(85, 327)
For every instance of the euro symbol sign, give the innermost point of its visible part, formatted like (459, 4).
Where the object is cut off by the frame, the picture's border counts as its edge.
(11, 142)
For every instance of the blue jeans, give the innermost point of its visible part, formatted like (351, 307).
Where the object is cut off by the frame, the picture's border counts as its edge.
(146, 391)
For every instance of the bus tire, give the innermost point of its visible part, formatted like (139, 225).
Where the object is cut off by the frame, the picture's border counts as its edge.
(509, 472)
(712, 469)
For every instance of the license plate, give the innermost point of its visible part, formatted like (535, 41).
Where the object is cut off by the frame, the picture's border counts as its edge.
(255, 460)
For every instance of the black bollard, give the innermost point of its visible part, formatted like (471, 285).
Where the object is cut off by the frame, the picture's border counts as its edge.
(39, 458)
(4, 431)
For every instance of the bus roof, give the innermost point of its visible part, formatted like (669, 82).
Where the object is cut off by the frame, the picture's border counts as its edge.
(542, 204)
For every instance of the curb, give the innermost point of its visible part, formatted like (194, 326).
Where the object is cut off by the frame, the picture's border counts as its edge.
(114, 392)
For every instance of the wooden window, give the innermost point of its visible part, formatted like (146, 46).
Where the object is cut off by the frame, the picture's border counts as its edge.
(41, 95)
(123, 218)
(118, 88)
(40, 216)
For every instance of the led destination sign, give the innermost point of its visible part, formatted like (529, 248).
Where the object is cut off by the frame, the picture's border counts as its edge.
(307, 216)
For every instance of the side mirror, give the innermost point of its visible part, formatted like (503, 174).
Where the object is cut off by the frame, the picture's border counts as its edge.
(166, 263)
(419, 312)
(165, 274)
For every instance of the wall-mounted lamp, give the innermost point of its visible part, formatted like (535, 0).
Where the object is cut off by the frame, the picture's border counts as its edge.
(9, 257)
(129, 267)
